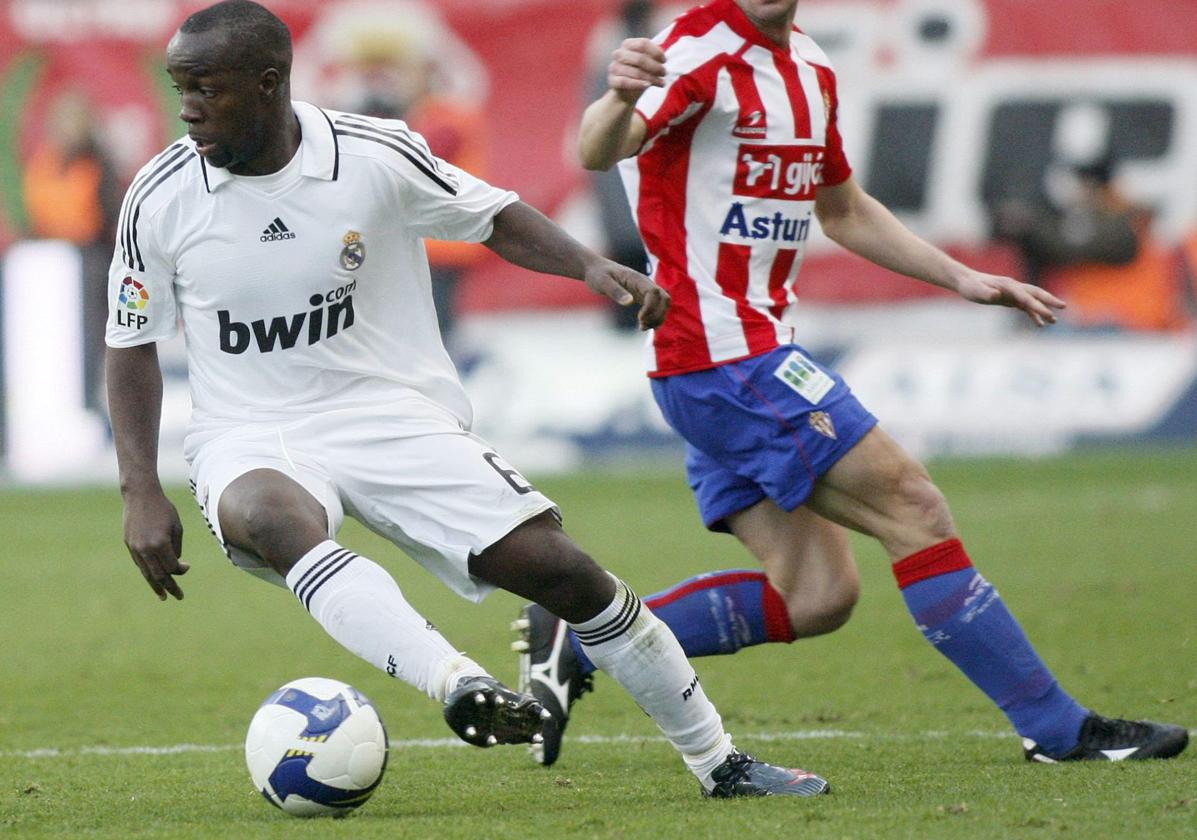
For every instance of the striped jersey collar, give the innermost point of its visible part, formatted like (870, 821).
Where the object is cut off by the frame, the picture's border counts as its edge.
(730, 13)
(321, 154)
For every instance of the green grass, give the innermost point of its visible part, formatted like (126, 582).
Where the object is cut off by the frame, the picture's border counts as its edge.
(1093, 552)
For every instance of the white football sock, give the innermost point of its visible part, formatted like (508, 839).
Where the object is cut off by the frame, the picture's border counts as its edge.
(636, 648)
(360, 606)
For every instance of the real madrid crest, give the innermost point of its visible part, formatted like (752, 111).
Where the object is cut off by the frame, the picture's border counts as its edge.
(354, 252)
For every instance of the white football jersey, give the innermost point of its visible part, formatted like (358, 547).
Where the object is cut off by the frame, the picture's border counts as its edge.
(304, 290)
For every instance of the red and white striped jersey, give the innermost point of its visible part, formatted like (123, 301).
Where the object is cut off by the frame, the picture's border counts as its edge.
(723, 189)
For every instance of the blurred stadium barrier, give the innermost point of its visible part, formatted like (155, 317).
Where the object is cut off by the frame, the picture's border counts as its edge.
(556, 393)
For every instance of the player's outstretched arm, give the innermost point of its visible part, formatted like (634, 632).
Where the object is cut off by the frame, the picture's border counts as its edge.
(526, 237)
(863, 225)
(611, 130)
(153, 531)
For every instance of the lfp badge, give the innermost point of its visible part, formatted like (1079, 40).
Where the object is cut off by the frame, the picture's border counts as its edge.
(132, 294)
(132, 299)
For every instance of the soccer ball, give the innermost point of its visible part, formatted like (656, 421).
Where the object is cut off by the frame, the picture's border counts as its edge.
(316, 747)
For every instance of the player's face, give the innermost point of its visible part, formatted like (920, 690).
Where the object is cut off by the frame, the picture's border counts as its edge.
(225, 107)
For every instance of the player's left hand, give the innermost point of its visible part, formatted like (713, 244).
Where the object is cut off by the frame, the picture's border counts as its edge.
(625, 287)
(1039, 305)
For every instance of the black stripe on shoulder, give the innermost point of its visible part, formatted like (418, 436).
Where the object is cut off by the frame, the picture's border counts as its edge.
(163, 160)
(411, 141)
(415, 161)
(336, 145)
(141, 200)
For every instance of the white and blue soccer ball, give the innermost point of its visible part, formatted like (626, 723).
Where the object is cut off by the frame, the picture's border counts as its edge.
(316, 747)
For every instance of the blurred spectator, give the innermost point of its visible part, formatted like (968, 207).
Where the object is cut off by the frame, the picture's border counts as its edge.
(72, 193)
(1095, 249)
(395, 62)
(1188, 255)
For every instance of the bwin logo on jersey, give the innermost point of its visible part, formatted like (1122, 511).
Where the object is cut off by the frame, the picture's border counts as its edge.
(333, 312)
(276, 231)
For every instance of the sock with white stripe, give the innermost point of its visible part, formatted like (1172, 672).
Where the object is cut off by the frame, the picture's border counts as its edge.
(641, 654)
(360, 606)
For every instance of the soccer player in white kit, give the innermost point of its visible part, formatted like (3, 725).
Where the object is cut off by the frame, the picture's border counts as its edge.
(724, 129)
(287, 240)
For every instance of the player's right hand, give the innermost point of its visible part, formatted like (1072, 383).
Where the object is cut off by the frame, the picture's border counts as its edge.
(627, 287)
(154, 537)
(636, 65)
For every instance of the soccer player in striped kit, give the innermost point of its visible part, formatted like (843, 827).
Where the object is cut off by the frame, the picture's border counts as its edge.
(287, 240)
(724, 131)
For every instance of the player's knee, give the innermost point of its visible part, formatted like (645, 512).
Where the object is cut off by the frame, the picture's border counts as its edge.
(825, 609)
(272, 524)
(826, 618)
(923, 504)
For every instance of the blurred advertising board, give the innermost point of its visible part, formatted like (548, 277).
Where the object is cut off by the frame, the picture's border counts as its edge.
(1029, 394)
(556, 393)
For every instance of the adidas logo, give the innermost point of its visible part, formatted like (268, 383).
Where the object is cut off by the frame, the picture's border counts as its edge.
(276, 231)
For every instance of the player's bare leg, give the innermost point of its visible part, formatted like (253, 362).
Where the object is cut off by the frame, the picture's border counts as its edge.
(540, 562)
(273, 516)
(878, 489)
(808, 560)
(268, 514)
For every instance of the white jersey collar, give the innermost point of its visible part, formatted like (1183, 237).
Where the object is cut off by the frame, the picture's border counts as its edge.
(321, 154)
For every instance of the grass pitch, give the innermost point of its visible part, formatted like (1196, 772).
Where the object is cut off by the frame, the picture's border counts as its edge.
(123, 717)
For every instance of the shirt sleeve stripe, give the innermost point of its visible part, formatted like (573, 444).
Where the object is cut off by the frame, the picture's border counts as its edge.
(133, 196)
(137, 211)
(336, 146)
(415, 161)
(412, 141)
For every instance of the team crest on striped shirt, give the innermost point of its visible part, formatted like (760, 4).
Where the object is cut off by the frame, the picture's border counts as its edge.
(820, 421)
(354, 252)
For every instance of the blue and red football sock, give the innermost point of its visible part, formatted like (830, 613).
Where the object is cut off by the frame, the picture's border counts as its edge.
(962, 615)
(717, 613)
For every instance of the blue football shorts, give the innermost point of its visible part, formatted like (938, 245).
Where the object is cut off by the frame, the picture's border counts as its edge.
(763, 427)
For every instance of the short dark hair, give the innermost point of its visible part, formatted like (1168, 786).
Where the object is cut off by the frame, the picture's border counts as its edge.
(256, 35)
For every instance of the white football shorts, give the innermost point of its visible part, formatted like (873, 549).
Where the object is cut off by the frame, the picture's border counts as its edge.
(407, 471)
